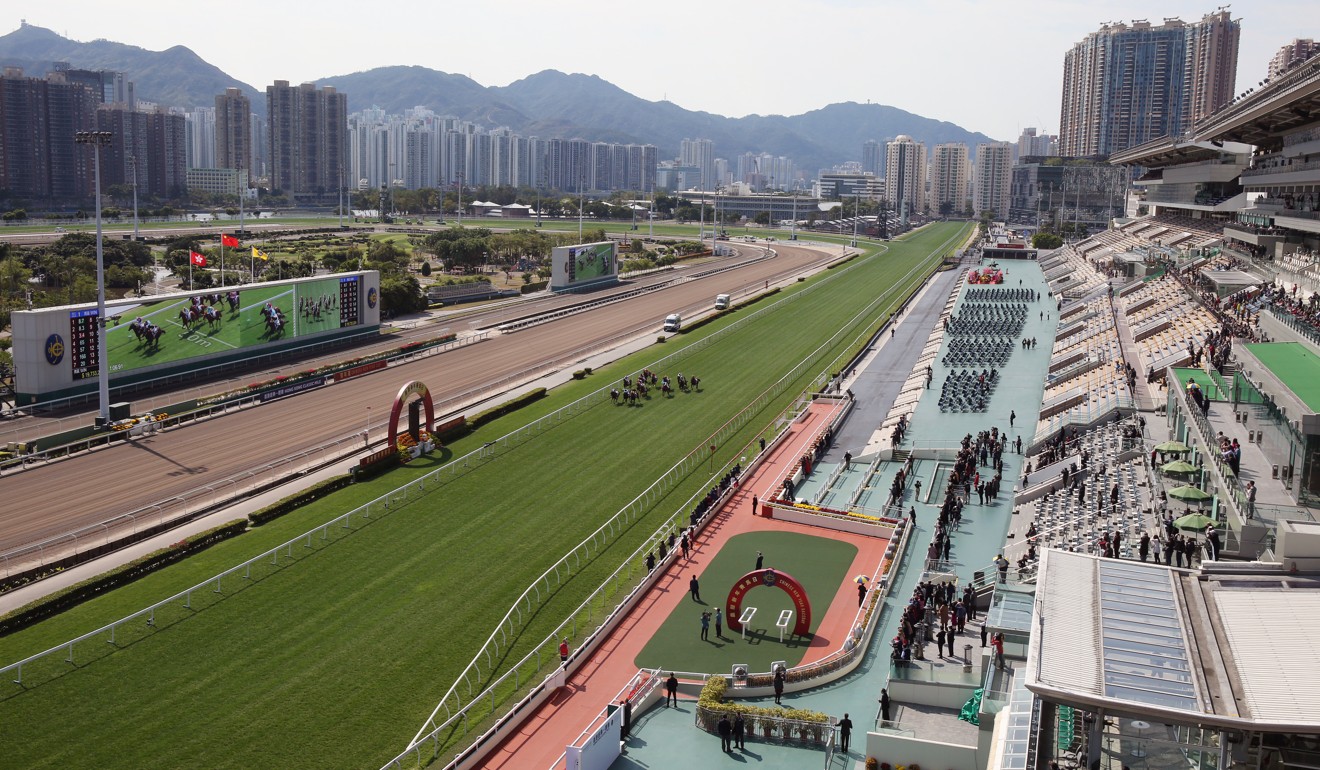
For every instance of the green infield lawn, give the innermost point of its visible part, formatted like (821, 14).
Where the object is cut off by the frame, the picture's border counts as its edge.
(820, 564)
(336, 659)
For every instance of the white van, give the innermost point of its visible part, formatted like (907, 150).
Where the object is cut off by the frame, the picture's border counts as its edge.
(673, 322)
(721, 301)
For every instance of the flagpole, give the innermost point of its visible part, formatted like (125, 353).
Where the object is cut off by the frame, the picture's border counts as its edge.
(252, 267)
(190, 282)
(222, 260)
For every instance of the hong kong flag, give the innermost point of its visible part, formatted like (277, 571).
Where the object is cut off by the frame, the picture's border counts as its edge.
(197, 259)
(229, 240)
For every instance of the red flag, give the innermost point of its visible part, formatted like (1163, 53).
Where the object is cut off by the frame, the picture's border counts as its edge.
(229, 240)
(197, 259)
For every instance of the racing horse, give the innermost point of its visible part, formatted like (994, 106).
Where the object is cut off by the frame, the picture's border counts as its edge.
(232, 299)
(147, 332)
(187, 317)
(274, 325)
(212, 316)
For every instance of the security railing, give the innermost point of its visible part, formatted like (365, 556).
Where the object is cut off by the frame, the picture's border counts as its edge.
(1210, 451)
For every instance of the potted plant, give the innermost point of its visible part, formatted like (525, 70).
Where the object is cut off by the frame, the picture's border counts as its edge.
(872, 763)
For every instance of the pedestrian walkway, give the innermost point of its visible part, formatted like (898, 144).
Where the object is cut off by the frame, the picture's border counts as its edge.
(544, 735)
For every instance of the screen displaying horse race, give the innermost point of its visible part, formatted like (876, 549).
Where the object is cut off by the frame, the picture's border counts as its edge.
(584, 263)
(151, 331)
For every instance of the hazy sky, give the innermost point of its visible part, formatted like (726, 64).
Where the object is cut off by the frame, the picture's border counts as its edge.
(993, 67)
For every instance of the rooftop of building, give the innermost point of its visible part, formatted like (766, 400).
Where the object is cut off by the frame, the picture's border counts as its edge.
(1233, 645)
(1292, 365)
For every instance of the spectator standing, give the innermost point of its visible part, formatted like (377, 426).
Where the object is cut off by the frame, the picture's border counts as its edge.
(725, 729)
(845, 732)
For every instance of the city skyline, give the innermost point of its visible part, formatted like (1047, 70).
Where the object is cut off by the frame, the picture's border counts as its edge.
(1029, 70)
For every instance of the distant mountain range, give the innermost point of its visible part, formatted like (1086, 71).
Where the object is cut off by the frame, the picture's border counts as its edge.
(547, 104)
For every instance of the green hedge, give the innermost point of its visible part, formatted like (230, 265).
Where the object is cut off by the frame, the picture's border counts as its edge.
(703, 321)
(292, 502)
(534, 286)
(498, 411)
(78, 593)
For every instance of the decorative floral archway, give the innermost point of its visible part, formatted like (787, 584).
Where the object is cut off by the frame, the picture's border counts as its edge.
(414, 388)
(771, 579)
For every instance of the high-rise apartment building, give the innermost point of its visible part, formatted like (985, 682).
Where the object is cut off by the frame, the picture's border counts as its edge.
(149, 146)
(110, 87)
(948, 178)
(993, 178)
(1127, 84)
(308, 139)
(38, 118)
(200, 127)
(699, 153)
(905, 174)
(873, 158)
(1291, 55)
(1034, 144)
(233, 130)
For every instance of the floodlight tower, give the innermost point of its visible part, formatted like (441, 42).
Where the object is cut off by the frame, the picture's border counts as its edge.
(99, 139)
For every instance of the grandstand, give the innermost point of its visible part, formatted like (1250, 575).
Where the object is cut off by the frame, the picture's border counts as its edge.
(1056, 516)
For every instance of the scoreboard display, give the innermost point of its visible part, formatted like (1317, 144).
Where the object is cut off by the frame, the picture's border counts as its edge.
(84, 337)
(350, 295)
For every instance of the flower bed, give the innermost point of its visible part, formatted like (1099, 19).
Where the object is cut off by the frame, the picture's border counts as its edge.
(779, 722)
(883, 521)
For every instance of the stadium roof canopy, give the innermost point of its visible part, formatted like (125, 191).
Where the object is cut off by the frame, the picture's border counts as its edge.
(1167, 151)
(1233, 647)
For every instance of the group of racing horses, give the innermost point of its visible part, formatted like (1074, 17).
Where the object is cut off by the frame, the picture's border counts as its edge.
(206, 307)
(632, 391)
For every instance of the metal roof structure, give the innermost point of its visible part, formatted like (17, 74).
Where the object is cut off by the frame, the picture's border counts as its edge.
(1274, 637)
(1235, 645)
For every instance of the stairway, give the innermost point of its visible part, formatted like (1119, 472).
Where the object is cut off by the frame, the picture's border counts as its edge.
(901, 455)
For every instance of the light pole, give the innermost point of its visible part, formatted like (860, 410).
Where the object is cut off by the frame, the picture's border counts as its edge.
(460, 199)
(538, 205)
(857, 202)
(792, 233)
(132, 161)
(99, 139)
(581, 200)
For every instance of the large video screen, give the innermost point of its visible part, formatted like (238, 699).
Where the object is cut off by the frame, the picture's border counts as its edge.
(591, 261)
(571, 265)
(185, 326)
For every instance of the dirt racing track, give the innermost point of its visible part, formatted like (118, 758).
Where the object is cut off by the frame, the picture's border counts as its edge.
(51, 500)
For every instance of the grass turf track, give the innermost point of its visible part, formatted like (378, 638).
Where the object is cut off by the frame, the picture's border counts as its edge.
(335, 661)
(820, 564)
